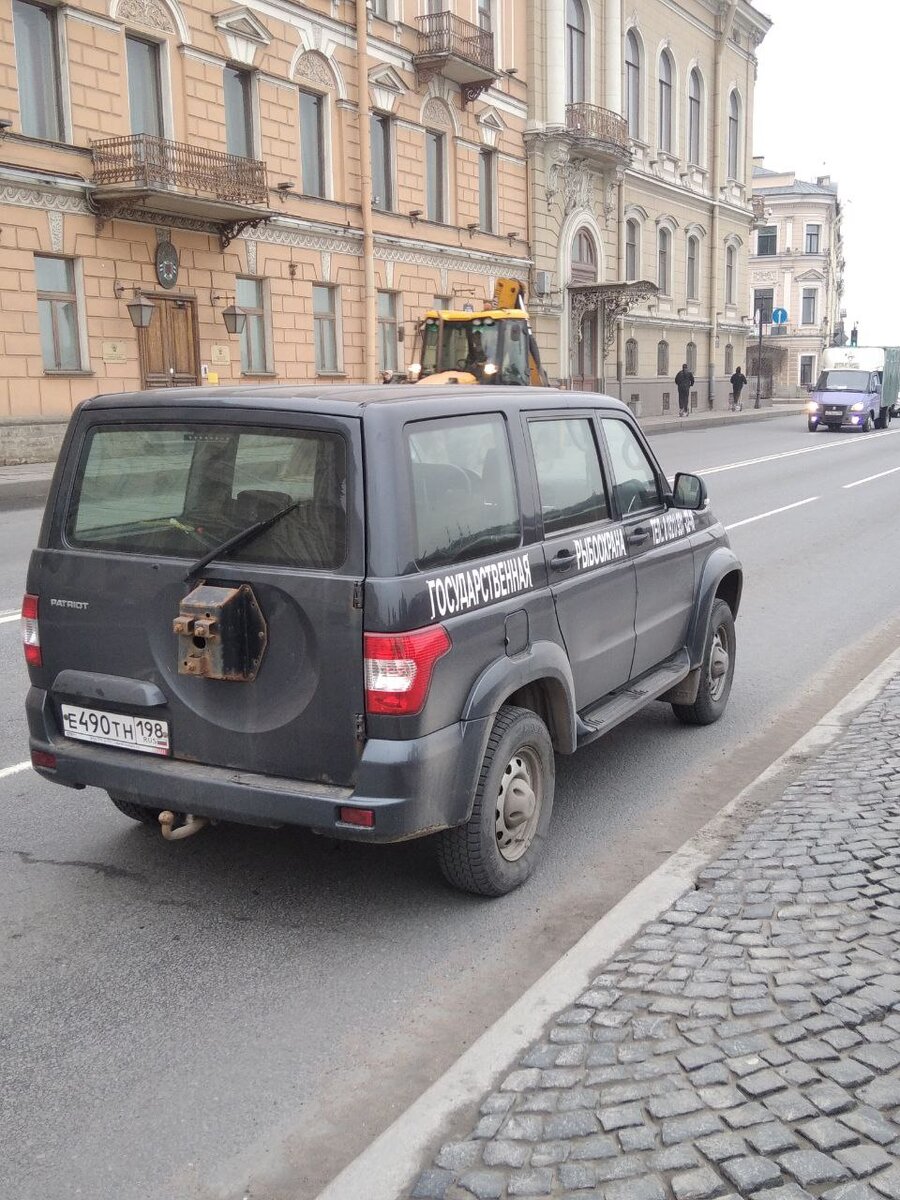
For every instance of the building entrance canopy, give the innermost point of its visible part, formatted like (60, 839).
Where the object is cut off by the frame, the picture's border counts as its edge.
(611, 300)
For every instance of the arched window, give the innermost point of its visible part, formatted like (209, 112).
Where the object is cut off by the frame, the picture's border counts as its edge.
(663, 256)
(575, 44)
(733, 131)
(631, 249)
(633, 84)
(662, 358)
(584, 258)
(665, 102)
(583, 268)
(631, 357)
(729, 359)
(690, 357)
(730, 257)
(693, 253)
(694, 118)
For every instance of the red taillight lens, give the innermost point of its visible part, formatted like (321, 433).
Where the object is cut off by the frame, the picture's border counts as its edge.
(41, 758)
(399, 667)
(31, 633)
(363, 817)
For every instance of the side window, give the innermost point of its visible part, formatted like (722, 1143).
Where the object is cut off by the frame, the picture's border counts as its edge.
(570, 480)
(464, 492)
(634, 479)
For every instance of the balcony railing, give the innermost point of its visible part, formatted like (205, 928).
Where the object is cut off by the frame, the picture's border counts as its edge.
(157, 163)
(598, 124)
(444, 34)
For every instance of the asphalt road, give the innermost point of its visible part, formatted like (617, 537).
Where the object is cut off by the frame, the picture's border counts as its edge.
(242, 1012)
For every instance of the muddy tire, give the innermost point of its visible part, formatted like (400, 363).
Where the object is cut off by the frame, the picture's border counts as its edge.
(137, 812)
(716, 673)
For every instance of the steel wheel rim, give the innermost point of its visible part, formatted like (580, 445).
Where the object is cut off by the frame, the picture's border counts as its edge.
(519, 803)
(719, 661)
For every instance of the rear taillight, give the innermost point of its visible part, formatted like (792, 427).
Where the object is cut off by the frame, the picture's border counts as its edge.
(31, 633)
(399, 668)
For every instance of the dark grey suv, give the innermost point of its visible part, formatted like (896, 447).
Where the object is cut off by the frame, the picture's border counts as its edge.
(375, 612)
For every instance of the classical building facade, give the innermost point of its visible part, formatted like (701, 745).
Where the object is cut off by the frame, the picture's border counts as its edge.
(797, 265)
(329, 168)
(639, 140)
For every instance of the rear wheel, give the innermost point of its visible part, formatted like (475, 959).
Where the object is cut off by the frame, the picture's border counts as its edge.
(883, 419)
(496, 849)
(137, 812)
(716, 673)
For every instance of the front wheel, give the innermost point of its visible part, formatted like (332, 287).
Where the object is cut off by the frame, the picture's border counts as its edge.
(868, 425)
(812, 426)
(716, 672)
(496, 849)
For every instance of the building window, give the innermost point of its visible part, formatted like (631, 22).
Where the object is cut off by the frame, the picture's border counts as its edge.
(382, 174)
(662, 358)
(312, 144)
(631, 357)
(238, 112)
(58, 313)
(694, 118)
(633, 84)
(810, 297)
(690, 356)
(575, 42)
(38, 73)
(665, 102)
(729, 359)
(813, 233)
(730, 257)
(807, 366)
(733, 131)
(434, 176)
(766, 241)
(763, 302)
(631, 250)
(250, 295)
(485, 15)
(387, 331)
(693, 247)
(486, 182)
(380, 9)
(144, 88)
(325, 328)
(663, 256)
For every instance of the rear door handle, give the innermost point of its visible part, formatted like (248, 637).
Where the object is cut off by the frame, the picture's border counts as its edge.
(636, 537)
(565, 558)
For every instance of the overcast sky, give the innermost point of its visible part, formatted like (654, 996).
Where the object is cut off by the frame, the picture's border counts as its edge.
(827, 103)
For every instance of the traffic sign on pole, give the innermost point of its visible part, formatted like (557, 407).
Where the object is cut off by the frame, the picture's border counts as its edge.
(779, 316)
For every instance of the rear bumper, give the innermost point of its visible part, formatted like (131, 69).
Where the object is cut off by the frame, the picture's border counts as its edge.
(415, 787)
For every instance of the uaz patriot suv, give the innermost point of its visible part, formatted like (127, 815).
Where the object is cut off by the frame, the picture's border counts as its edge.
(374, 612)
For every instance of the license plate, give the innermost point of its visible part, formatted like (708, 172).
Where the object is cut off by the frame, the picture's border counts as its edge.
(834, 412)
(147, 734)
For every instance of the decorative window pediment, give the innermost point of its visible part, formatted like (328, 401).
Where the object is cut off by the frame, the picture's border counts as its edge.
(386, 87)
(810, 276)
(491, 125)
(243, 34)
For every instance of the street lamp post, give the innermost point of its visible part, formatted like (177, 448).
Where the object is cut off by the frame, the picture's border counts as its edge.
(759, 322)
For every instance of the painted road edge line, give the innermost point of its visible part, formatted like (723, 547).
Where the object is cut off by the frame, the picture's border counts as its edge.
(23, 766)
(10, 616)
(773, 512)
(391, 1162)
(869, 478)
(752, 462)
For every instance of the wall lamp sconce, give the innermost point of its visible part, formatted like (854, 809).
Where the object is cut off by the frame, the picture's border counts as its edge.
(414, 214)
(682, 312)
(140, 309)
(512, 72)
(511, 237)
(283, 189)
(235, 318)
(472, 226)
(5, 126)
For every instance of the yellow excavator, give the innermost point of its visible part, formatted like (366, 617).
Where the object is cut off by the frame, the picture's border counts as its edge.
(493, 345)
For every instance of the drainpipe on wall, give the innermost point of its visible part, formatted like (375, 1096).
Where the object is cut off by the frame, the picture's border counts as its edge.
(365, 188)
(725, 26)
(620, 217)
(615, 60)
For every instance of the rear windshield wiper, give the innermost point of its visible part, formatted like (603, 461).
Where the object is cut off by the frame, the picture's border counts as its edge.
(238, 540)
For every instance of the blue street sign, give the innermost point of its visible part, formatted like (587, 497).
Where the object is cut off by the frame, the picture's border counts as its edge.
(779, 316)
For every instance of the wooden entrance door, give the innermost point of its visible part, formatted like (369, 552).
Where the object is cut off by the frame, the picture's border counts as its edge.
(168, 346)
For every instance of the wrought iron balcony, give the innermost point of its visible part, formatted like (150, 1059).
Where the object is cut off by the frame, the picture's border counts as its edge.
(166, 178)
(598, 130)
(456, 49)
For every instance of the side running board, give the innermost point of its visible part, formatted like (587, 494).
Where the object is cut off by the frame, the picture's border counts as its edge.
(620, 705)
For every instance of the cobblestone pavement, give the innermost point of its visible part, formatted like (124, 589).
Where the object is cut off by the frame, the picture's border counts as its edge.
(747, 1043)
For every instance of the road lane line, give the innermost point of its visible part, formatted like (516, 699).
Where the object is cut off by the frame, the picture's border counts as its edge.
(773, 512)
(5, 618)
(4, 771)
(869, 478)
(752, 462)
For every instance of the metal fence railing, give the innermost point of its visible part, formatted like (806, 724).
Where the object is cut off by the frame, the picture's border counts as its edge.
(599, 124)
(155, 162)
(445, 33)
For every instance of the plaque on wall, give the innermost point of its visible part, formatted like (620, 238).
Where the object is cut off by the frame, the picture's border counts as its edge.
(220, 355)
(113, 352)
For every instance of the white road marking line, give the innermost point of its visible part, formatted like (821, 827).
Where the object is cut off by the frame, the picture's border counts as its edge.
(4, 771)
(5, 618)
(771, 513)
(752, 462)
(869, 478)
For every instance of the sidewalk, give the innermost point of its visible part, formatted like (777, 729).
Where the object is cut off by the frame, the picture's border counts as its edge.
(746, 1043)
(28, 484)
(698, 419)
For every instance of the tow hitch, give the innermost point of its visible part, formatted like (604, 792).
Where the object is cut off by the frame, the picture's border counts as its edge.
(174, 833)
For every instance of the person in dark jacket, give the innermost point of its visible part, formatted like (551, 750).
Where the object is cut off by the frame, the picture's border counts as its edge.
(684, 381)
(738, 383)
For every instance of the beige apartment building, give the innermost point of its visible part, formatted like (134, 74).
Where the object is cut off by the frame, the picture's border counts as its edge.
(797, 264)
(639, 140)
(329, 169)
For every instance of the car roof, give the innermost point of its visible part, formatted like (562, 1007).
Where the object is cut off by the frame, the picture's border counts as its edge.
(351, 399)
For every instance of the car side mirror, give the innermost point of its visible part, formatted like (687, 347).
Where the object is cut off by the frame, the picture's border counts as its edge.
(689, 492)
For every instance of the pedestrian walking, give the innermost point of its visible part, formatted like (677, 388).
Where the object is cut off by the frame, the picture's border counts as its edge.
(738, 383)
(684, 381)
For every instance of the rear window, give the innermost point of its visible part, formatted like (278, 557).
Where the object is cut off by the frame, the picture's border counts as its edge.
(181, 489)
(464, 493)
